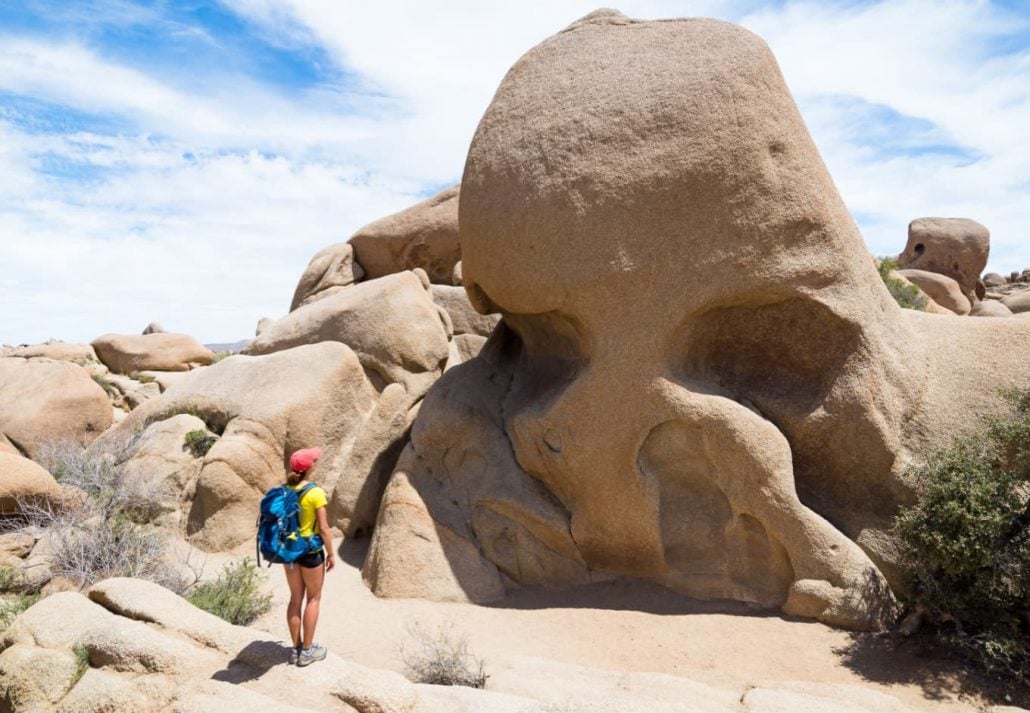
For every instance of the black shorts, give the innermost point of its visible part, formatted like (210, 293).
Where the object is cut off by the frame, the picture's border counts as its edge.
(312, 559)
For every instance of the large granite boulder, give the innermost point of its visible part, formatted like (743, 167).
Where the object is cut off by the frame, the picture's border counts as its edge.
(22, 481)
(391, 323)
(740, 439)
(158, 351)
(990, 308)
(262, 409)
(330, 270)
(1017, 302)
(424, 235)
(956, 247)
(44, 400)
(464, 318)
(942, 289)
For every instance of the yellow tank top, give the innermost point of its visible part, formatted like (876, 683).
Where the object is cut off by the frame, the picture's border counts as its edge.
(310, 502)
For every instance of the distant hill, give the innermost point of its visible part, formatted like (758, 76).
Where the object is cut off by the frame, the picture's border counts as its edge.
(233, 347)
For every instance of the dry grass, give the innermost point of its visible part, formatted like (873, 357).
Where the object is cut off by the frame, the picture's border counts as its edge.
(442, 658)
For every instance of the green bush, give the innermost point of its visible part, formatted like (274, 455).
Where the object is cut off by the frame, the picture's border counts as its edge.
(968, 541)
(8, 578)
(81, 663)
(235, 595)
(12, 608)
(222, 355)
(106, 385)
(907, 295)
(142, 378)
(199, 442)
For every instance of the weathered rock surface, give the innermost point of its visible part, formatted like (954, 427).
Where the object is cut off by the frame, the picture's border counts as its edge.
(990, 308)
(1018, 302)
(21, 481)
(264, 408)
(391, 323)
(993, 279)
(129, 353)
(165, 470)
(940, 288)
(133, 391)
(81, 354)
(43, 400)
(367, 464)
(330, 270)
(150, 650)
(424, 235)
(956, 247)
(263, 324)
(707, 445)
(464, 318)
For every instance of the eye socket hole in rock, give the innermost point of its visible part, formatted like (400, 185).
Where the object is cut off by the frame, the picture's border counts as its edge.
(783, 357)
(919, 248)
(550, 354)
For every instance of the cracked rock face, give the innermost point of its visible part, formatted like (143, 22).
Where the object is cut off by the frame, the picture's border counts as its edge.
(699, 379)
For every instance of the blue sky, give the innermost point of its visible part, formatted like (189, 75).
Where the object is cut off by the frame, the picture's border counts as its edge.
(182, 161)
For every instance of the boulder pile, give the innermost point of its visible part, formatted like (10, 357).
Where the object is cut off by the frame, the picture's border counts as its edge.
(542, 403)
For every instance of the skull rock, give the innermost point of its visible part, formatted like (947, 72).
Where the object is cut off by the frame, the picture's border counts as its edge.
(956, 247)
(699, 379)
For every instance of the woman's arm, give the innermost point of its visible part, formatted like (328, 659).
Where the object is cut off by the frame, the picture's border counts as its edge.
(327, 538)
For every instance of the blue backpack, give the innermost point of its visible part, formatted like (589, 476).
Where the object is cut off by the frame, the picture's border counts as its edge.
(278, 537)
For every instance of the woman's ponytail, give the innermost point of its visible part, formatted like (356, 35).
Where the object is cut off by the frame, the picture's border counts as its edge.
(293, 477)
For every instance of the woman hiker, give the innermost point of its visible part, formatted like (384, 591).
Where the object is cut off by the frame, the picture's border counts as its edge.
(307, 574)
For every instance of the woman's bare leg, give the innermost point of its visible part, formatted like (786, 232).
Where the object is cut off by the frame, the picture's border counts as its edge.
(313, 579)
(296, 582)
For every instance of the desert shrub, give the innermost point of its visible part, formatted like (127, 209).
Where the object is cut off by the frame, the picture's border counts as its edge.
(442, 658)
(8, 578)
(236, 595)
(106, 385)
(222, 355)
(907, 295)
(104, 532)
(9, 610)
(81, 663)
(198, 442)
(968, 541)
(90, 551)
(142, 378)
(98, 470)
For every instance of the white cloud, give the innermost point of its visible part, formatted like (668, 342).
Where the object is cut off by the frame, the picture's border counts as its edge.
(202, 207)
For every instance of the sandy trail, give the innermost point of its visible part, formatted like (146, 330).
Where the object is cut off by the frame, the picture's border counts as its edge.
(623, 627)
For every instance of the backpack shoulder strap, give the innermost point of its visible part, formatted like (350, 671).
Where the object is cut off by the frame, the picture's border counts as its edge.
(304, 491)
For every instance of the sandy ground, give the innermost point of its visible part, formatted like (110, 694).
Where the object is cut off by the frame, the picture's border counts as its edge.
(620, 627)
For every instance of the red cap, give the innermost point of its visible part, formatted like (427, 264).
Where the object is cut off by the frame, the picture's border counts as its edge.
(302, 460)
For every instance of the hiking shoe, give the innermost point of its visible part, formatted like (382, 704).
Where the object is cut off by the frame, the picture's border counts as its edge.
(294, 655)
(309, 656)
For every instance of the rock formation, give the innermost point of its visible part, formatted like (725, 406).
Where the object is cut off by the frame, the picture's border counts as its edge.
(160, 351)
(43, 399)
(942, 289)
(391, 323)
(956, 247)
(262, 408)
(330, 270)
(424, 235)
(740, 440)
(22, 481)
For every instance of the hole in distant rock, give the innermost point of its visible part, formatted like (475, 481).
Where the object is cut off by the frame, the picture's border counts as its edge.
(919, 248)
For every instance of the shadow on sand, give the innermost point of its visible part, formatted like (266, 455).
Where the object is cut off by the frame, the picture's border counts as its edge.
(921, 660)
(253, 661)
